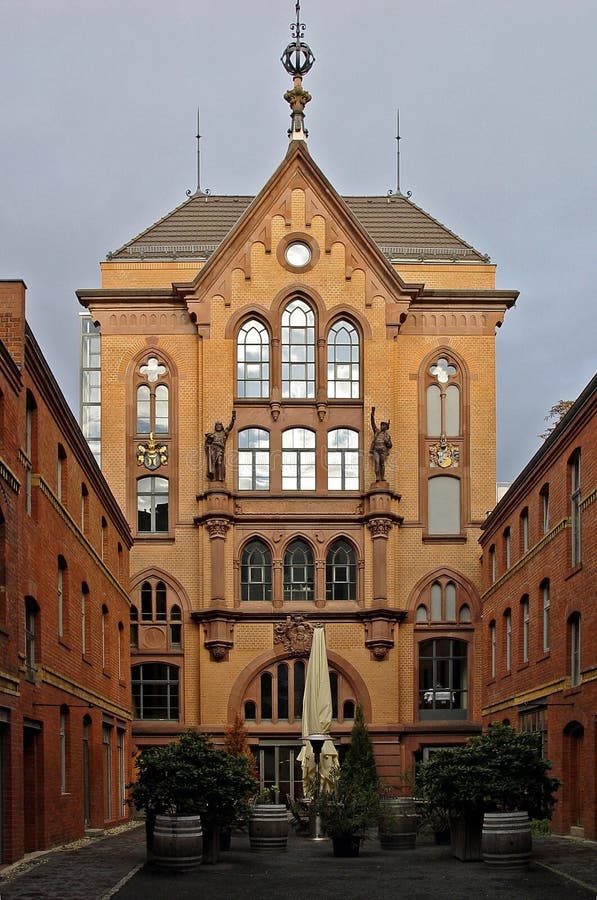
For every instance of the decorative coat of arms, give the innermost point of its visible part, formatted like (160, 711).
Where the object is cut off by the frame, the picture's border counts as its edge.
(295, 635)
(152, 455)
(444, 455)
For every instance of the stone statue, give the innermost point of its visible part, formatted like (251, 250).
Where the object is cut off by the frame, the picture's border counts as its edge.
(380, 446)
(215, 447)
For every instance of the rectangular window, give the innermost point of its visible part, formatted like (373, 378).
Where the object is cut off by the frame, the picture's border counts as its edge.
(535, 722)
(493, 648)
(63, 720)
(507, 548)
(524, 528)
(91, 394)
(121, 773)
(508, 626)
(525, 628)
(575, 509)
(546, 606)
(575, 649)
(545, 508)
(83, 623)
(60, 590)
(443, 508)
(107, 742)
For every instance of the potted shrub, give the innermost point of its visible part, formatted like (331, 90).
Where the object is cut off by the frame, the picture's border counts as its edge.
(349, 806)
(268, 822)
(500, 771)
(189, 788)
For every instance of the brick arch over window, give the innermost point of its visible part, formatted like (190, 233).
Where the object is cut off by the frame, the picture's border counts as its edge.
(156, 574)
(466, 593)
(268, 659)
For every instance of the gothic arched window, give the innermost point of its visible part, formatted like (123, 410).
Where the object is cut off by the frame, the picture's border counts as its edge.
(298, 351)
(252, 360)
(343, 361)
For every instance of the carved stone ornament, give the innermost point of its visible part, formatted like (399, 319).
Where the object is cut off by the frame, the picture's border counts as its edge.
(444, 455)
(295, 635)
(217, 527)
(379, 527)
(152, 455)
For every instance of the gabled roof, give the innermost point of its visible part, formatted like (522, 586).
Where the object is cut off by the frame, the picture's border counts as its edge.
(401, 229)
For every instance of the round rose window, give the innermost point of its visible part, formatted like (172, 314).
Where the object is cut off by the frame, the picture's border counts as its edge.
(297, 254)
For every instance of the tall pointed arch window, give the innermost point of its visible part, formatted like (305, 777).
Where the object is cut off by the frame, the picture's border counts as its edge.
(153, 398)
(299, 572)
(298, 351)
(343, 361)
(341, 572)
(252, 360)
(443, 443)
(256, 572)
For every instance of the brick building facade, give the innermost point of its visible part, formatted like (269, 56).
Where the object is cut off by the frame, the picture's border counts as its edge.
(64, 611)
(286, 318)
(539, 610)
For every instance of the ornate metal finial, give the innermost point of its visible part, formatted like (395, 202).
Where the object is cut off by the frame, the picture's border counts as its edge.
(297, 59)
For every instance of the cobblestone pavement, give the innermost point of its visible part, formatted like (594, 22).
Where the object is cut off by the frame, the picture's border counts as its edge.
(113, 866)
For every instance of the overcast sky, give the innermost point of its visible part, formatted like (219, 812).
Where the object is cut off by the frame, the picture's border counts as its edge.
(498, 110)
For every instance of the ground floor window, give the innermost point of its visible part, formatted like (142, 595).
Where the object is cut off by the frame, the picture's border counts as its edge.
(443, 679)
(155, 691)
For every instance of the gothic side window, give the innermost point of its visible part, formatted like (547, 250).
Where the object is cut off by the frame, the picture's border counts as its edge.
(341, 572)
(443, 446)
(256, 572)
(152, 398)
(299, 572)
(160, 625)
(298, 351)
(443, 603)
(343, 361)
(253, 459)
(252, 360)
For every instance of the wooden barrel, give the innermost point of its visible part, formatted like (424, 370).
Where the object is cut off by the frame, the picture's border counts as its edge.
(398, 823)
(268, 827)
(506, 841)
(177, 842)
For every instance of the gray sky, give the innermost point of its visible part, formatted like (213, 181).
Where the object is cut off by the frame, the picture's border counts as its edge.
(497, 102)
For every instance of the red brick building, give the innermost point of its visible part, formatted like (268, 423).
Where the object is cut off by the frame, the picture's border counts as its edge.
(540, 610)
(64, 611)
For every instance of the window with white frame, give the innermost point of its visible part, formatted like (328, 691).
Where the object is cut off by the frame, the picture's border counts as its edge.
(152, 504)
(507, 548)
(298, 351)
(343, 363)
(343, 460)
(524, 529)
(298, 460)
(544, 497)
(252, 360)
(253, 459)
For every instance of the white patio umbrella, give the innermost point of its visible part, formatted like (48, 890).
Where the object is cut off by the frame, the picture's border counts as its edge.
(317, 713)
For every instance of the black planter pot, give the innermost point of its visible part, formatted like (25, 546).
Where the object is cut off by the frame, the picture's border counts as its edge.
(346, 845)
